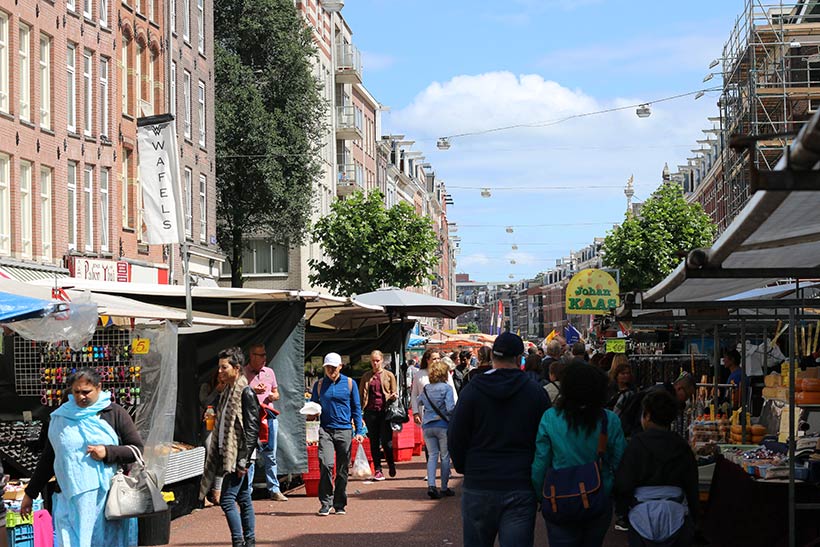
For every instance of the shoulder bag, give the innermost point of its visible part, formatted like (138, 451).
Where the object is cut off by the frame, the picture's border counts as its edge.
(432, 404)
(574, 495)
(136, 494)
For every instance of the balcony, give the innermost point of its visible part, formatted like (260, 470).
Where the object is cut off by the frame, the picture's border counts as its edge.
(348, 64)
(348, 180)
(348, 127)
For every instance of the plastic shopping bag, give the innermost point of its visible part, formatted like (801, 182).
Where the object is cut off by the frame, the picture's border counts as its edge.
(361, 467)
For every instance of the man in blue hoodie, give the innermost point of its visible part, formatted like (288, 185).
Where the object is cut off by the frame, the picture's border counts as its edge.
(492, 442)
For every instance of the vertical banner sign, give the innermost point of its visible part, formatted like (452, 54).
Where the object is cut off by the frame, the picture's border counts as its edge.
(159, 178)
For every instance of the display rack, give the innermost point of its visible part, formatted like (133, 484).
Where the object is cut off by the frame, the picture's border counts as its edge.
(19, 445)
(42, 369)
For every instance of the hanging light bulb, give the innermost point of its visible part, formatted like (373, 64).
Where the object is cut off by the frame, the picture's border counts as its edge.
(509, 229)
(485, 192)
(443, 143)
(515, 247)
(512, 261)
(511, 276)
(643, 111)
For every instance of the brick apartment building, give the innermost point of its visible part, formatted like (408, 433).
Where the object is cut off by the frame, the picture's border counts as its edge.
(74, 76)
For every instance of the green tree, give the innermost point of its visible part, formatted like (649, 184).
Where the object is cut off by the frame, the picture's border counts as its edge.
(368, 246)
(269, 124)
(648, 246)
(472, 328)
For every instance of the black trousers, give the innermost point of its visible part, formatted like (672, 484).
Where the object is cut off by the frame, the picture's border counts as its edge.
(381, 438)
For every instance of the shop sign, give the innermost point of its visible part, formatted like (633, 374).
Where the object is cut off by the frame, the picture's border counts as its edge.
(616, 345)
(592, 292)
(99, 270)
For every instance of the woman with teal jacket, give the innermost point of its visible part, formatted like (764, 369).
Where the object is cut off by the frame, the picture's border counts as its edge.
(568, 436)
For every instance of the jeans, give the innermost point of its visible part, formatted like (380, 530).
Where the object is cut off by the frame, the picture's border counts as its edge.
(268, 456)
(586, 534)
(435, 438)
(509, 515)
(381, 438)
(683, 538)
(237, 490)
(334, 442)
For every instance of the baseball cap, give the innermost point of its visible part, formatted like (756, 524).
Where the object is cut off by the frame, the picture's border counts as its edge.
(508, 344)
(332, 360)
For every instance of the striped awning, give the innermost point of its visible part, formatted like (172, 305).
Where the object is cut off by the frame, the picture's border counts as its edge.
(26, 274)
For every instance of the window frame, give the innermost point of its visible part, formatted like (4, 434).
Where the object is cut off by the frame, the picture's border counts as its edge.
(45, 81)
(104, 78)
(125, 201)
(24, 71)
(105, 203)
(203, 208)
(103, 15)
(26, 212)
(201, 102)
(172, 98)
(88, 92)
(46, 213)
(188, 182)
(186, 94)
(186, 21)
(71, 87)
(88, 9)
(5, 204)
(88, 208)
(71, 185)
(200, 16)
(5, 98)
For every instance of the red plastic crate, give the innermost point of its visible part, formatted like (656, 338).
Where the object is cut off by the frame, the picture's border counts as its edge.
(311, 487)
(402, 454)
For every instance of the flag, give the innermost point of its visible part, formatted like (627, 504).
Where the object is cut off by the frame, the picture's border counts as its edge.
(551, 335)
(159, 179)
(571, 334)
(500, 316)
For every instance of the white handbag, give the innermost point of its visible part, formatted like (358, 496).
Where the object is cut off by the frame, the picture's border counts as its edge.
(134, 495)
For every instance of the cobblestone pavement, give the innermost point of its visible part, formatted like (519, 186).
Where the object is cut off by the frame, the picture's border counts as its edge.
(392, 513)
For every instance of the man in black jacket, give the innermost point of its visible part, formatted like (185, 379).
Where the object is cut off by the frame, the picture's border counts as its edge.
(658, 457)
(682, 389)
(492, 442)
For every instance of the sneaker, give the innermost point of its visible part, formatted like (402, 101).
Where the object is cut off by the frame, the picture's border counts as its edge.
(379, 476)
(621, 525)
(391, 471)
(340, 511)
(433, 492)
(278, 496)
(323, 511)
(448, 492)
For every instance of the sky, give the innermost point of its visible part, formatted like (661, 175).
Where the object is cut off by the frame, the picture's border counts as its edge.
(450, 67)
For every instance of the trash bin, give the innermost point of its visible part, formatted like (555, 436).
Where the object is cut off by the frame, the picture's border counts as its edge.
(154, 529)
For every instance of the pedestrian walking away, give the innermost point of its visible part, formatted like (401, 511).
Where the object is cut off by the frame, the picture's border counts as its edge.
(377, 389)
(492, 442)
(341, 410)
(436, 403)
(262, 380)
(233, 447)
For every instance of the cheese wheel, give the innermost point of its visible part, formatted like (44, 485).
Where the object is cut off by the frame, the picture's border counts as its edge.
(810, 384)
(759, 430)
(757, 439)
(808, 398)
(738, 429)
(772, 380)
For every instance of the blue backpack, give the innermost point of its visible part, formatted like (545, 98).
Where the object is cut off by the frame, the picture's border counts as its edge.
(574, 495)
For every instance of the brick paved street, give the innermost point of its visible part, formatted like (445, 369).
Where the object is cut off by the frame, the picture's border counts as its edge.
(394, 513)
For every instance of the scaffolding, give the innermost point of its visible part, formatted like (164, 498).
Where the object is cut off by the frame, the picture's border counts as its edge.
(771, 85)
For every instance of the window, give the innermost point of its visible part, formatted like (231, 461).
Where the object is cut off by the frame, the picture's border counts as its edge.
(203, 209)
(124, 76)
(88, 107)
(104, 13)
(138, 76)
(138, 5)
(186, 92)
(88, 208)
(71, 82)
(263, 257)
(104, 209)
(149, 95)
(25, 208)
(25, 74)
(5, 206)
(45, 82)
(173, 15)
(70, 5)
(72, 205)
(201, 111)
(200, 25)
(126, 210)
(104, 113)
(45, 212)
(189, 202)
(87, 8)
(186, 20)
(4, 62)
(172, 99)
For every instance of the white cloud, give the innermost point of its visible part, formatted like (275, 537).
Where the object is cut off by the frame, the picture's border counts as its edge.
(585, 151)
(374, 62)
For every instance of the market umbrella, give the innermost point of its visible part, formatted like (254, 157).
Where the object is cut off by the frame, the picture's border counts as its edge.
(404, 303)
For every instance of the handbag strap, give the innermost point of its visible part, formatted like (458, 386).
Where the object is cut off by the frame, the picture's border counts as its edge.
(432, 404)
(137, 456)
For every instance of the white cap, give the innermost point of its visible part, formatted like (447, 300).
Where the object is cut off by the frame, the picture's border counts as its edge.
(333, 360)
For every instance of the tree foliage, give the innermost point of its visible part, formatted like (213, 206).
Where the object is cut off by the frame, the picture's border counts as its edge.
(648, 246)
(472, 328)
(269, 124)
(368, 246)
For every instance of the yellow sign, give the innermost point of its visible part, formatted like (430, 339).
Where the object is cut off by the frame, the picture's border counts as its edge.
(592, 292)
(616, 345)
(140, 346)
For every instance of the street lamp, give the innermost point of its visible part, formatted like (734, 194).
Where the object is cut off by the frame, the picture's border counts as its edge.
(485, 192)
(443, 143)
(643, 111)
(333, 6)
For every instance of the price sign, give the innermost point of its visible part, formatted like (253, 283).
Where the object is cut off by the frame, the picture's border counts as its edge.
(140, 346)
(616, 346)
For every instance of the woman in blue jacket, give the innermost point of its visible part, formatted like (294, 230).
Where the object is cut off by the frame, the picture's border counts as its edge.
(437, 402)
(568, 436)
